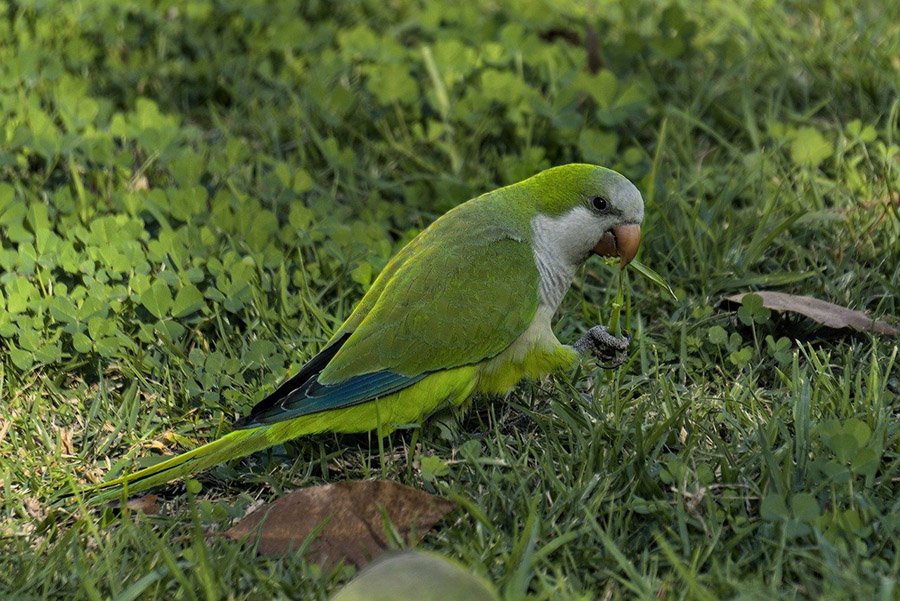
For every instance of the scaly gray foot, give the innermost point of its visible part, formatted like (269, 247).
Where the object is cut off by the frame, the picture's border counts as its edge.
(611, 351)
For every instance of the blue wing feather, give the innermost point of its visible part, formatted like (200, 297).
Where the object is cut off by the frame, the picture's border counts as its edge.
(312, 397)
(304, 395)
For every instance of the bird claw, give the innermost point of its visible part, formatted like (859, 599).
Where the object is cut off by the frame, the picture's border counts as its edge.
(611, 350)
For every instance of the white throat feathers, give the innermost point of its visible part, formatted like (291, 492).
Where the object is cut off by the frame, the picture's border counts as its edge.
(561, 244)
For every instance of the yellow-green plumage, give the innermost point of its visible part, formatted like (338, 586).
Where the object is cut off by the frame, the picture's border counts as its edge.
(461, 309)
(410, 405)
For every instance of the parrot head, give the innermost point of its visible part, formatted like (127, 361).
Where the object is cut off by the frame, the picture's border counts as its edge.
(584, 209)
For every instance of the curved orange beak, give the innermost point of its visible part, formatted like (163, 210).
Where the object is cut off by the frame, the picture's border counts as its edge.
(622, 241)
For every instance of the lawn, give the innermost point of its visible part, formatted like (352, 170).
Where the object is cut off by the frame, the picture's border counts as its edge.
(193, 195)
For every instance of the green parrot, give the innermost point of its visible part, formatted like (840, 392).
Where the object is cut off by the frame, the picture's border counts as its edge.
(464, 308)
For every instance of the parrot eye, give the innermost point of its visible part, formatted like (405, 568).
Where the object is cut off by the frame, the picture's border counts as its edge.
(599, 203)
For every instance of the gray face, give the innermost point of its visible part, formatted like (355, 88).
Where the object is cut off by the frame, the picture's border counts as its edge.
(606, 222)
(624, 203)
(604, 219)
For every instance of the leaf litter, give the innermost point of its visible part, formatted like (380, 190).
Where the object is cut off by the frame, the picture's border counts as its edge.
(342, 522)
(822, 312)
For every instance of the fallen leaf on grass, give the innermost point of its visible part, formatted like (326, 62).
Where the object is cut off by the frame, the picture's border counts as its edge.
(34, 508)
(417, 576)
(146, 504)
(825, 313)
(4, 428)
(338, 522)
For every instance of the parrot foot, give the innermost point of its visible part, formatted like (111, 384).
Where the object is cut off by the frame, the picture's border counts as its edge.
(612, 350)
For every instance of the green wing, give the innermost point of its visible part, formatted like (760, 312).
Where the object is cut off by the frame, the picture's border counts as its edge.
(461, 292)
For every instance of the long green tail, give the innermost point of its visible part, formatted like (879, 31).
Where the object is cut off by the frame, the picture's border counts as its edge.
(231, 446)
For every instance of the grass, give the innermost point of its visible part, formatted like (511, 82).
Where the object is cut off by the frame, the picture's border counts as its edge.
(225, 189)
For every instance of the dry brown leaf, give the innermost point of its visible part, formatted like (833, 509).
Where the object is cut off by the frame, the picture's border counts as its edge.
(146, 504)
(4, 428)
(342, 521)
(34, 508)
(825, 313)
(140, 183)
(65, 437)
